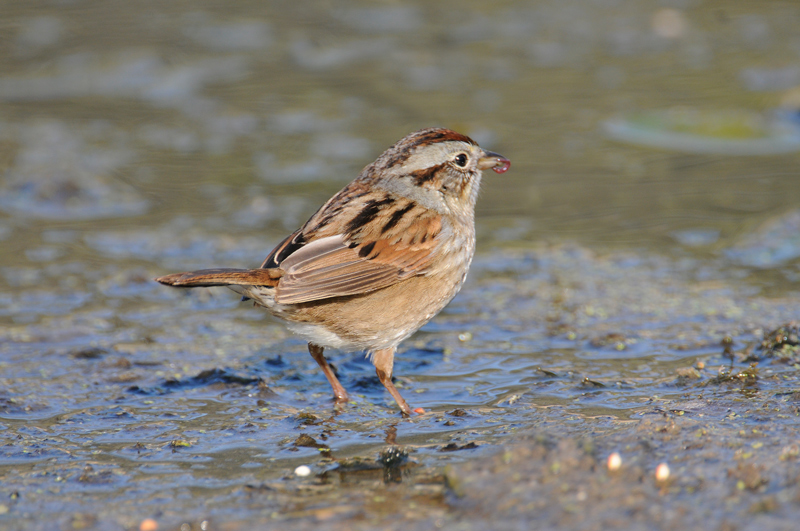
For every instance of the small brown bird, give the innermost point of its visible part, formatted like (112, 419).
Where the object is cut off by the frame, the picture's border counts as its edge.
(379, 259)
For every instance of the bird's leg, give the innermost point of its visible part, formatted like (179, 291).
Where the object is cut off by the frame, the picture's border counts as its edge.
(338, 389)
(384, 363)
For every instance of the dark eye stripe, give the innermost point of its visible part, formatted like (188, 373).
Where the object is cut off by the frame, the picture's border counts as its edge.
(426, 174)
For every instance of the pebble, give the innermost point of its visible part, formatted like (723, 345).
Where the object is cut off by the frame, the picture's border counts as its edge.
(662, 472)
(302, 471)
(614, 461)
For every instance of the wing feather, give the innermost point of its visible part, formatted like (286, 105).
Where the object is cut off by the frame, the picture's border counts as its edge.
(382, 249)
(329, 268)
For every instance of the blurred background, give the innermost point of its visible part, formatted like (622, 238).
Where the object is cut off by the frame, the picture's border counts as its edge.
(207, 119)
(139, 138)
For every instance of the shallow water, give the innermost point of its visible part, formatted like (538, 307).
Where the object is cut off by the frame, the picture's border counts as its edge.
(140, 139)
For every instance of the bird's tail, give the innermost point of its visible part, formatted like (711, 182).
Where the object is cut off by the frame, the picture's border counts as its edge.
(205, 278)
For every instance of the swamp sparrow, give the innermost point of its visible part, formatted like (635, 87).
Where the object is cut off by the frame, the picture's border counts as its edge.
(379, 259)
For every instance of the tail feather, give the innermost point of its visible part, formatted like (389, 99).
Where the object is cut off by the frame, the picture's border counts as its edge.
(205, 278)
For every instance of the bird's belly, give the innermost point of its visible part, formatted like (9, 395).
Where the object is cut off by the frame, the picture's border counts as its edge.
(373, 321)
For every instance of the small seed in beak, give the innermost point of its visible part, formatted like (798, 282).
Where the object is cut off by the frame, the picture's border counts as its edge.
(492, 160)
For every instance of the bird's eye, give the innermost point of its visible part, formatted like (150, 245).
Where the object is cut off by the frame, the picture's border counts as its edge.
(461, 159)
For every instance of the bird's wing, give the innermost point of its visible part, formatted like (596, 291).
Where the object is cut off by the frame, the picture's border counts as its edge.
(370, 253)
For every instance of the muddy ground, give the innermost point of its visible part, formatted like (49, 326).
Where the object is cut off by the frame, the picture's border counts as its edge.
(626, 297)
(532, 379)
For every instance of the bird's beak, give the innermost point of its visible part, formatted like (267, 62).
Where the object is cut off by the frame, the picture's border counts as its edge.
(492, 160)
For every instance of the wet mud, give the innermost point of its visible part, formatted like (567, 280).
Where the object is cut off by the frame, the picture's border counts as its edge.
(630, 301)
(531, 380)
